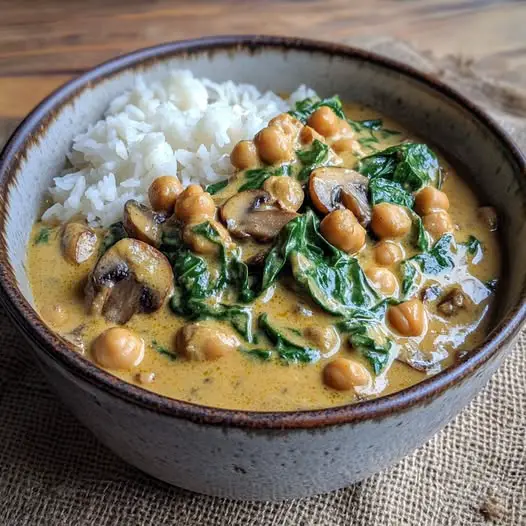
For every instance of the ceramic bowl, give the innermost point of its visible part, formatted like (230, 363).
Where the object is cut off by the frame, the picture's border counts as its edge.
(240, 454)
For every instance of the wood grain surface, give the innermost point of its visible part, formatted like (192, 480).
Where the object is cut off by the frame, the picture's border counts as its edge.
(43, 43)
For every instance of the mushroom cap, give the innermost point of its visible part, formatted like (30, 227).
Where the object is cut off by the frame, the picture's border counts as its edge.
(142, 223)
(255, 213)
(130, 277)
(333, 187)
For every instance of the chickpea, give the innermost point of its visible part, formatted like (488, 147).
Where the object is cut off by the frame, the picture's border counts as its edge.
(287, 123)
(387, 253)
(343, 145)
(55, 315)
(341, 228)
(438, 223)
(163, 193)
(326, 339)
(286, 190)
(194, 205)
(429, 199)
(325, 121)
(383, 280)
(273, 145)
(343, 374)
(118, 348)
(244, 155)
(390, 221)
(408, 318)
(205, 341)
(200, 244)
(308, 135)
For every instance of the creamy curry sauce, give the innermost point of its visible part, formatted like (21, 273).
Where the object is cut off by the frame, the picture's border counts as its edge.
(242, 381)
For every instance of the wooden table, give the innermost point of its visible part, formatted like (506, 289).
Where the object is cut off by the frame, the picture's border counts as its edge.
(43, 43)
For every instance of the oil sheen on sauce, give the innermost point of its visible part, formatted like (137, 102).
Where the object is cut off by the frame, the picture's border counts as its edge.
(241, 382)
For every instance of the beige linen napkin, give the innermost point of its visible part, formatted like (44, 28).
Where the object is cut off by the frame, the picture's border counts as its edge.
(53, 472)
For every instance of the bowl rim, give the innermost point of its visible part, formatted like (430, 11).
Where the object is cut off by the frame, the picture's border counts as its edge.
(55, 347)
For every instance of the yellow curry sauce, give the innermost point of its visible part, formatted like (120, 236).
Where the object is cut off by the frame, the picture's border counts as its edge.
(240, 380)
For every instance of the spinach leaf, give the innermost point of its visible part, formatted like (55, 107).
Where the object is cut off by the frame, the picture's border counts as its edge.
(474, 248)
(311, 159)
(386, 191)
(194, 308)
(255, 178)
(239, 317)
(42, 237)
(233, 272)
(216, 187)
(163, 351)
(376, 354)
(306, 107)
(373, 127)
(197, 291)
(422, 239)
(115, 233)
(409, 277)
(287, 350)
(438, 260)
(337, 286)
(411, 165)
(378, 165)
(368, 142)
(360, 318)
(261, 354)
(473, 245)
(332, 278)
(370, 124)
(358, 325)
(288, 240)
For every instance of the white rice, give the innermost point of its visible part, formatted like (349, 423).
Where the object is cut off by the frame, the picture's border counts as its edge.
(180, 126)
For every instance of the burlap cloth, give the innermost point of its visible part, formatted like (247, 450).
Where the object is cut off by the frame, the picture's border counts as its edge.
(53, 471)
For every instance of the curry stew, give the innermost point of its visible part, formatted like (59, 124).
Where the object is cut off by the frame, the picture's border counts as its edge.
(343, 261)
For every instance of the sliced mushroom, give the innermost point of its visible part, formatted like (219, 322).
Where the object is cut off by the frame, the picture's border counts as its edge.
(255, 213)
(142, 223)
(130, 277)
(78, 242)
(454, 301)
(333, 187)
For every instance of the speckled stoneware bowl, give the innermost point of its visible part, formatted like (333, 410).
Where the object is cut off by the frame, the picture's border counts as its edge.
(248, 455)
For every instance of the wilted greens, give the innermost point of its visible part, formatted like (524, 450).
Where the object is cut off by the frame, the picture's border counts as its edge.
(331, 278)
(411, 165)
